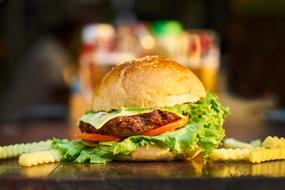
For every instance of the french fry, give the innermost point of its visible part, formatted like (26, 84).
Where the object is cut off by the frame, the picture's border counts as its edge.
(256, 143)
(272, 148)
(257, 155)
(263, 154)
(233, 143)
(16, 150)
(230, 154)
(41, 157)
(273, 142)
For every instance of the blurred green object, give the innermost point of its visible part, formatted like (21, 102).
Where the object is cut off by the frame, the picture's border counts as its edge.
(167, 27)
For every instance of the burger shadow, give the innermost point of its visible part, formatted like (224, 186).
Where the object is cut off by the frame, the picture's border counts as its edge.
(129, 170)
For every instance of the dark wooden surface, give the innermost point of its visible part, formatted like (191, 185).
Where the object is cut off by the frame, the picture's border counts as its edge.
(143, 175)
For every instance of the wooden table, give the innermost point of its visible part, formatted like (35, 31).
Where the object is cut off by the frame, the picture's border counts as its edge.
(143, 176)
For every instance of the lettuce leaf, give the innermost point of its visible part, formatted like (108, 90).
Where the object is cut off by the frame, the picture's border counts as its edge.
(204, 130)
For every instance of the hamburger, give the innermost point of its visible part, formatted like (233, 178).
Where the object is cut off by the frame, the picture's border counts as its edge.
(148, 109)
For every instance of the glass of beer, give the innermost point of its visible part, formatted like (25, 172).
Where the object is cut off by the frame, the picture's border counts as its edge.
(203, 56)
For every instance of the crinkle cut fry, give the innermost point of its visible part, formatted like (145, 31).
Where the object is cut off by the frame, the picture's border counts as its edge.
(263, 154)
(273, 142)
(257, 155)
(230, 154)
(16, 150)
(233, 143)
(40, 157)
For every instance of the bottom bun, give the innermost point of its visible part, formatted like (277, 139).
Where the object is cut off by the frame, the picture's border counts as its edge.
(157, 154)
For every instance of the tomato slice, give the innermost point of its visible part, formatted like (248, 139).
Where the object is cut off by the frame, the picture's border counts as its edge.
(168, 127)
(96, 137)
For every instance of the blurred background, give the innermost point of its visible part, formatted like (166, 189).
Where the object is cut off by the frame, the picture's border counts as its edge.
(54, 52)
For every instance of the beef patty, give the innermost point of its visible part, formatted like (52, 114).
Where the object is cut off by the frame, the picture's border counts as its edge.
(125, 126)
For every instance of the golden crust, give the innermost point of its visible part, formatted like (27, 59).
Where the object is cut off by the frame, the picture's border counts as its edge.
(151, 81)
